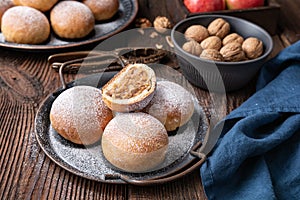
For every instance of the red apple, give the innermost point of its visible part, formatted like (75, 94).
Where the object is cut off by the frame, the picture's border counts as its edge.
(242, 4)
(204, 5)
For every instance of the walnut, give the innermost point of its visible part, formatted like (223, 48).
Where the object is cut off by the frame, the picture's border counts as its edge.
(233, 52)
(233, 37)
(196, 32)
(219, 27)
(192, 47)
(142, 23)
(253, 47)
(211, 54)
(212, 42)
(162, 24)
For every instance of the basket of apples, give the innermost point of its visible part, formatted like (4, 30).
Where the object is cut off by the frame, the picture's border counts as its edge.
(264, 13)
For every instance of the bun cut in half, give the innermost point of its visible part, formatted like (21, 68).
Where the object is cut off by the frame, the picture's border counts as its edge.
(131, 89)
(135, 142)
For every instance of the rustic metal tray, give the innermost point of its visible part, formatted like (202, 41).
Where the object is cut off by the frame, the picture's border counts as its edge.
(89, 162)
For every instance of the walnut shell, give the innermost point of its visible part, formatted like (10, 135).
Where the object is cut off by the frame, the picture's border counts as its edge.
(233, 52)
(253, 47)
(162, 24)
(233, 37)
(196, 32)
(192, 47)
(143, 23)
(211, 54)
(212, 42)
(219, 27)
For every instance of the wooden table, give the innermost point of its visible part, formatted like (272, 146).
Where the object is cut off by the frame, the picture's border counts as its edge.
(26, 79)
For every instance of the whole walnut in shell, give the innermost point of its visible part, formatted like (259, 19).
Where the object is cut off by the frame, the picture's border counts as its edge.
(219, 27)
(192, 47)
(252, 47)
(212, 42)
(233, 52)
(233, 37)
(162, 24)
(211, 54)
(196, 32)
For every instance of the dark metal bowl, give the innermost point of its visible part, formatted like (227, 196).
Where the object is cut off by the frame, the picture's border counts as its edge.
(215, 75)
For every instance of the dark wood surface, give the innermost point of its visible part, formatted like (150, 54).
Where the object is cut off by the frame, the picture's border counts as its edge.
(27, 78)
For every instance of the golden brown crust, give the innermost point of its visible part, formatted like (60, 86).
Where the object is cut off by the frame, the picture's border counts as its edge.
(172, 105)
(81, 121)
(22, 24)
(103, 9)
(71, 19)
(134, 142)
(42, 5)
(140, 86)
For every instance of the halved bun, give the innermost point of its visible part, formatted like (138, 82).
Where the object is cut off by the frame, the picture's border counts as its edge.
(131, 89)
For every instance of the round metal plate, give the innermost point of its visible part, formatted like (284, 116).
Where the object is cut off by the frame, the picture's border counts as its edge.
(126, 14)
(89, 162)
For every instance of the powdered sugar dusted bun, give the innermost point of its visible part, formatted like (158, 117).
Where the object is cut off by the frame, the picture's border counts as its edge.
(79, 115)
(42, 5)
(72, 19)
(22, 24)
(103, 9)
(4, 5)
(131, 89)
(171, 104)
(135, 142)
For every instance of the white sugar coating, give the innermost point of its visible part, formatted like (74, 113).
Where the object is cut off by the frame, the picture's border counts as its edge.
(42, 5)
(72, 19)
(103, 9)
(136, 133)
(71, 11)
(4, 5)
(27, 16)
(22, 24)
(80, 108)
(171, 104)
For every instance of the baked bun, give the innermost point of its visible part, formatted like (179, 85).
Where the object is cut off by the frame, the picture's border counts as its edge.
(42, 5)
(25, 25)
(131, 89)
(103, 9)
(72, 19)
(134, 142)
(171, 104)
(4, 5)
(79, 115)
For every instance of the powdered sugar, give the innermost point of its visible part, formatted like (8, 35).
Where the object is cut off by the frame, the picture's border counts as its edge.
(171, 104)
(80, 108)
(136, 133)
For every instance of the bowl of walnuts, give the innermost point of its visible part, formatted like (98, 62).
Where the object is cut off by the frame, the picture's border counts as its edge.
(220, 53)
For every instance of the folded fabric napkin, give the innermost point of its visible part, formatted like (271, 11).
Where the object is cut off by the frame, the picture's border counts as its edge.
(258, 153)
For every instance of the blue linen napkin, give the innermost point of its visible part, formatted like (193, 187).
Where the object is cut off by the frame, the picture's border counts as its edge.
(258, 153)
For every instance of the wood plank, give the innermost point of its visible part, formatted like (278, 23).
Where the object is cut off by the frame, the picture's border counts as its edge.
(188, 187)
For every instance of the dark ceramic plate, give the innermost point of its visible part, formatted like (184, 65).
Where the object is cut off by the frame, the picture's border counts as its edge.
(125, 15)
(88, 161)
